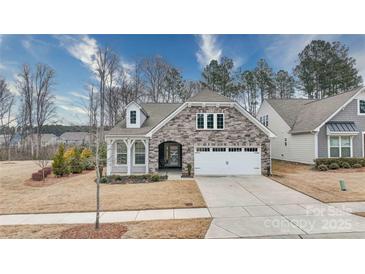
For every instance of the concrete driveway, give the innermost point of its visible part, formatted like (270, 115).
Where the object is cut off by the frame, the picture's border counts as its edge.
(256, 206)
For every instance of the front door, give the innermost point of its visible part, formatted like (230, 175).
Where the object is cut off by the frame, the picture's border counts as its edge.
(172, 155)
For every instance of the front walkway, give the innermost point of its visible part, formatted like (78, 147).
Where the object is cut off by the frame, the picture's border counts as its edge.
(105, 217)
(256, 206)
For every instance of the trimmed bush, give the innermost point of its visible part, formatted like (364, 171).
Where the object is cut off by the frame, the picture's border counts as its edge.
(104, 180)
(48, 170)
(74, 161)
(334, 166)
(86, 153)
(155, 178)
(37, 176)
(345, 165)
(322, 168)
(357, 166)
(339, 161)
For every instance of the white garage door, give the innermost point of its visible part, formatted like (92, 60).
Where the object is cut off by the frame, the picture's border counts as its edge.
(227, 161)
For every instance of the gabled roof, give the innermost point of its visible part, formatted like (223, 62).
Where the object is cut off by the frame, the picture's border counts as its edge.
(288, 109)
(303, 115)
(155, 112)
(207, 95)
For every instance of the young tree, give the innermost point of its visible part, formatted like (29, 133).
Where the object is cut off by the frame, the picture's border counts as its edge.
(284, 84)
(44, 106)
(265, 80)
(219, 77)
(326, 69)
(25, 85)
(7, 101)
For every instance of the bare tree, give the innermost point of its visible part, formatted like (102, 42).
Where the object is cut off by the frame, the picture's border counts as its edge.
(44, 106)
(92, 108)
(26, 90)
(154, 72)
(6, 119)
(43, 161)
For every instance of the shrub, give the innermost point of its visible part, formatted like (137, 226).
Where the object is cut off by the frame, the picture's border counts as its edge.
(75, 161)
(334, 166)
(37, 176)
(86, 153)
(59, 164)
(104, 180)
(47, 170)
(357, 166)
(322, 168)
(69, 154)
(339, 161)
(155, 178)
(345, 165)
(88, 164)
(189, 167)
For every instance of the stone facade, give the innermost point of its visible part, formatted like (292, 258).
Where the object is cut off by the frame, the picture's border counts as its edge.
(238, 131)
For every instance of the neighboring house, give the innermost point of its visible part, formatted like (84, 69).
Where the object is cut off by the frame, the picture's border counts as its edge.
(47, 139)
(213, 134)
(310, 129)
(75, 138)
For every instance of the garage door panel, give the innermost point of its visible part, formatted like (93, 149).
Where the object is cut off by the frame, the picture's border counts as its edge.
(227, 163)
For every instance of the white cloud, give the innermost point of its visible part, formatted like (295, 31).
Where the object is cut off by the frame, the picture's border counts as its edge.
(74, 109)
(79, 95)
(208, 49)
(81, 47)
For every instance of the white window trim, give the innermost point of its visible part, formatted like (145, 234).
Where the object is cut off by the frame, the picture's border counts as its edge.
(363, 143)
(134, 154)
(339, 146)
(215, 122)
(358, 107)
(116, 153)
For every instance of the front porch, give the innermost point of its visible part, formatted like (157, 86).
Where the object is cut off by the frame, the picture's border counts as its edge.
(127, 155)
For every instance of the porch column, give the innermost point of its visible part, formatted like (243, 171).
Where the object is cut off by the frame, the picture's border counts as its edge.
(146, 146)
(109, 155)
(129, 143)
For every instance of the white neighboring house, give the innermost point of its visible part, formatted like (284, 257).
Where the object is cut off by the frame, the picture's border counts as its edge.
(75, 138)
(309, 129)
(47, 139)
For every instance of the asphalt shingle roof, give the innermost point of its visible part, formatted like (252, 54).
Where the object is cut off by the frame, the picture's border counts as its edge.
(157, 112)
(304, 115)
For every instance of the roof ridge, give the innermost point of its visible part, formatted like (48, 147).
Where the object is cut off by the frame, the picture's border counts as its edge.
(341, 93)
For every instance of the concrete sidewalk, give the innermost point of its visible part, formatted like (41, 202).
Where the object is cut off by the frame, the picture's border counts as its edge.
(105, 217)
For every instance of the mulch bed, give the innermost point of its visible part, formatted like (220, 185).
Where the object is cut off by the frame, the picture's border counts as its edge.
(88, 231)
(52, 179)
(347, 170)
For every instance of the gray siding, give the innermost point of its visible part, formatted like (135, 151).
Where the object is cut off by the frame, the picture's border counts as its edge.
(349, 113)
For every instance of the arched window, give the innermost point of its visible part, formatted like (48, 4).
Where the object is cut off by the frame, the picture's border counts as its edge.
(121, 153)
(139, 153)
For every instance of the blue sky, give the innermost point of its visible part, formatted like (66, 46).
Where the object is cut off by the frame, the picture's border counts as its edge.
(71, 55)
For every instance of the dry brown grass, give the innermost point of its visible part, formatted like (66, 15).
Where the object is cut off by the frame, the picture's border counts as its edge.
(323, 186)
(159, 229)
(76, 194)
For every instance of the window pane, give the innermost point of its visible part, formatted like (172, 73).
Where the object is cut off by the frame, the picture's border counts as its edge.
(121, 147)
(220, 121)
(133, 117)
(121, 159)
(345, 141)
(334, 142)
(362, 106)
(345, 152)
(334, 152)
(139, 147)
(139, 159)
(210, 121)
(200, 122)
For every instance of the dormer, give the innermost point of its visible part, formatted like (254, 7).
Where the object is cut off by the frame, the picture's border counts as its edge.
(135, 115)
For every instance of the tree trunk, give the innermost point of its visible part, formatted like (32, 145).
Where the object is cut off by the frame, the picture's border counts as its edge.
(97, 184)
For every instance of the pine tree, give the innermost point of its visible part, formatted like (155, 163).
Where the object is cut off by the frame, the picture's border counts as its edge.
(284, 84)
(326, 69)
(265, 80)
